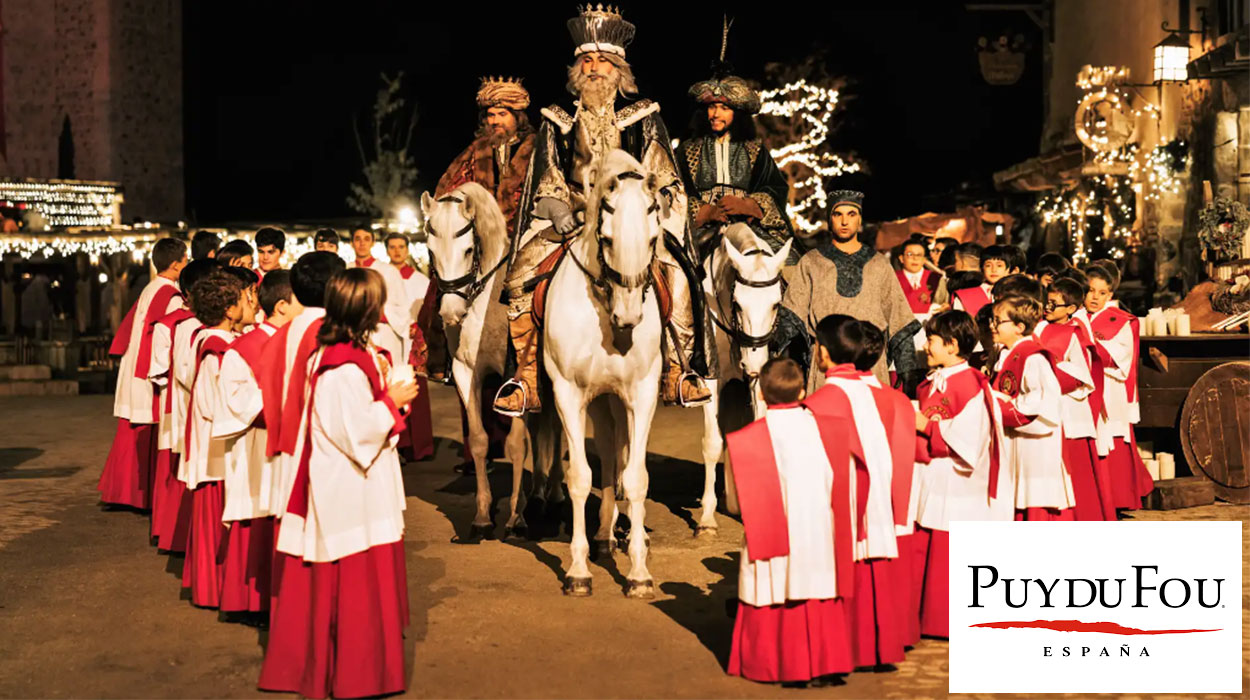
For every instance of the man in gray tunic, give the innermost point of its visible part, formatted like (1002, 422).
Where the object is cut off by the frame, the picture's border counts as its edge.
(844, 276)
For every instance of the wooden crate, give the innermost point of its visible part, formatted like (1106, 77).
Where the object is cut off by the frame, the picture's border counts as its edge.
(1182, 492)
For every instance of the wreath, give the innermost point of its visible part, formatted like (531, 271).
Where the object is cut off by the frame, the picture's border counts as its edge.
(1222, 226)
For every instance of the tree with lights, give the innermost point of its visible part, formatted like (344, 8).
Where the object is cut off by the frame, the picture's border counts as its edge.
(795, 122)
(390, 173)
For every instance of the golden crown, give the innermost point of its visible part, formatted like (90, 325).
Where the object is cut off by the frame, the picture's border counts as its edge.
(600, 27)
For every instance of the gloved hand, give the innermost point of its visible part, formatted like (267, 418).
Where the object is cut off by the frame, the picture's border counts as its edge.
(708, 213)
(741, 206)
(558, 213)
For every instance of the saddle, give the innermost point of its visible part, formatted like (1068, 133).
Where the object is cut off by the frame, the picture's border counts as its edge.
(546, 271)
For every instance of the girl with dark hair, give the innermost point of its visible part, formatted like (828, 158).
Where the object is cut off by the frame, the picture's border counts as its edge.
(342, 605)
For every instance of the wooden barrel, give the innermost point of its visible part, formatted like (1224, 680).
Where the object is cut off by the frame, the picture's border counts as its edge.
(1215, 429)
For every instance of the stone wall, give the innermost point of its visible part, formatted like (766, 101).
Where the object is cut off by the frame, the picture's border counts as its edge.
(114, 68)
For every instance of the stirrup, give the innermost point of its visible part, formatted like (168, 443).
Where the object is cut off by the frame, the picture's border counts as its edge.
(525, 399)
(681, 399)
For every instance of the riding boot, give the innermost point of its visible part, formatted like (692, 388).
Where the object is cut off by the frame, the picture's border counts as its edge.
(520, 394)
(683, 388)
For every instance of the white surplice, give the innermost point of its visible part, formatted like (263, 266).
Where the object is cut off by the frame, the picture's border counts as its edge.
(249, 472)
(1035, 449)
(356, 489)
(809, 571)
(133, 398)
(205, 458)
(879, 540)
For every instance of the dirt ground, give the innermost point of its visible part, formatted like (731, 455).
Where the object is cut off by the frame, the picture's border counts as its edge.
(89, 609)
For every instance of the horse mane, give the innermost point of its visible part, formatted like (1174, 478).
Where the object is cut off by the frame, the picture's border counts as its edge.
(614, 164)
(488, 222)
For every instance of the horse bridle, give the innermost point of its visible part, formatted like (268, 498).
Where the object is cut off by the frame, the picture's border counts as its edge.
(740, 337)
(468, 285)
(607, 273)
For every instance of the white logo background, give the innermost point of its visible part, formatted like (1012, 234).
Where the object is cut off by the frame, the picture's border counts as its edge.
(984, 660)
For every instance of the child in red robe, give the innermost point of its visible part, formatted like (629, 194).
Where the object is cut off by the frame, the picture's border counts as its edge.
(341, 599)
(127, 476)
(247, 552)
(1116, 333)
(167, 490)
(1071, 347)
(878, 612)
(793, 473)
(961, 474)
(1029, 397)
(221, 302)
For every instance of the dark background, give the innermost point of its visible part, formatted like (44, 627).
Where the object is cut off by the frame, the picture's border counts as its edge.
(271, 90)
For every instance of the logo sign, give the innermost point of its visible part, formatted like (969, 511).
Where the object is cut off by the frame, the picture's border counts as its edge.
(1095, 607)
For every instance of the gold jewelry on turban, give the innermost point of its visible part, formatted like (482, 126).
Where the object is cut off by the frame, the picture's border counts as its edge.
(502, 92)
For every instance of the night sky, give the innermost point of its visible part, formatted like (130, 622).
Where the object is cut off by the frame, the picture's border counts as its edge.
(271, 90)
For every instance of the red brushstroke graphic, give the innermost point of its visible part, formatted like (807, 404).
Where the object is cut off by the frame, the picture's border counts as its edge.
(1078, 626)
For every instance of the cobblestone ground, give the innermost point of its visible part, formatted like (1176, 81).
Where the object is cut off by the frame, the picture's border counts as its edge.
(89, 609)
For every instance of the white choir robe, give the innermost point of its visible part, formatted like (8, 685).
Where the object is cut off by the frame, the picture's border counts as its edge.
(1035, 449)
(416, 285)
(392, 333)
(134, 396)
(284, 466)
(356, 489)
(1078, 415)
(957, 487)
(181, 373)
(205, 458)
(158, 374)
(249, 472)
(809, 571)
(880, 540)
(1121, 413)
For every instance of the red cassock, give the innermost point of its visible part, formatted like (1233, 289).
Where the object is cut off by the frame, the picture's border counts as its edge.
(796, 640)
(1130, 482)
(880, 623)
(127, 475)
(931, 543)
(1080, 453)
(246, 554)
(167, 490)
(202, 570)
(336, 627)
(417, 440)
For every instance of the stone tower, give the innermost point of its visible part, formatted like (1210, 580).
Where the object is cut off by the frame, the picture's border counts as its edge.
(93, 89)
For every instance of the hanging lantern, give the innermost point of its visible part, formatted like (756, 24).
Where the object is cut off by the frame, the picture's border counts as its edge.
(1171, 59)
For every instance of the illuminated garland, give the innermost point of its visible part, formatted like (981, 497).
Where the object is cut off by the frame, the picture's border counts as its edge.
(65, 203)
(813, 106)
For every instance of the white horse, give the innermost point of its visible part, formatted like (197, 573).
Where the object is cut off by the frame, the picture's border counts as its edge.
(468, 241)
(744, 292)
(602, 339)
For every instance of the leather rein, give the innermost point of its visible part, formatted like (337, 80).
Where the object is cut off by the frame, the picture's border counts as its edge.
(735, 332)
(468, 285)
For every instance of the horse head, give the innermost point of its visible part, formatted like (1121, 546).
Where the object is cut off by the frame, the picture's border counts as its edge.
(623, 219)
(756, 295)
(467, 238)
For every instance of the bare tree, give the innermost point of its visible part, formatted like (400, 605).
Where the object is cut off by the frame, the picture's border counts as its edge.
(390, 173)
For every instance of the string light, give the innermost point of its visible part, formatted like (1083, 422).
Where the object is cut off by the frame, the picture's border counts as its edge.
(65, 203)
(95, 246)
(813, 107)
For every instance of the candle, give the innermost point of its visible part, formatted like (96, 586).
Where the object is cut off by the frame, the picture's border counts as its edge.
(1152, 466)
(1182, 324)
(1167, 465)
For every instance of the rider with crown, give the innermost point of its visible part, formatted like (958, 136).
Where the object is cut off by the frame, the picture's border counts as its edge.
(569, 148)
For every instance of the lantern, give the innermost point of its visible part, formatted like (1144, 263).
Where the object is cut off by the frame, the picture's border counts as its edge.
(1171, 59)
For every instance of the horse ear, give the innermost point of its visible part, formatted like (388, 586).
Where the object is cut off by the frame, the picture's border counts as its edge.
(466, 207)
(427, 203)
(738, 259)
(778, 259)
